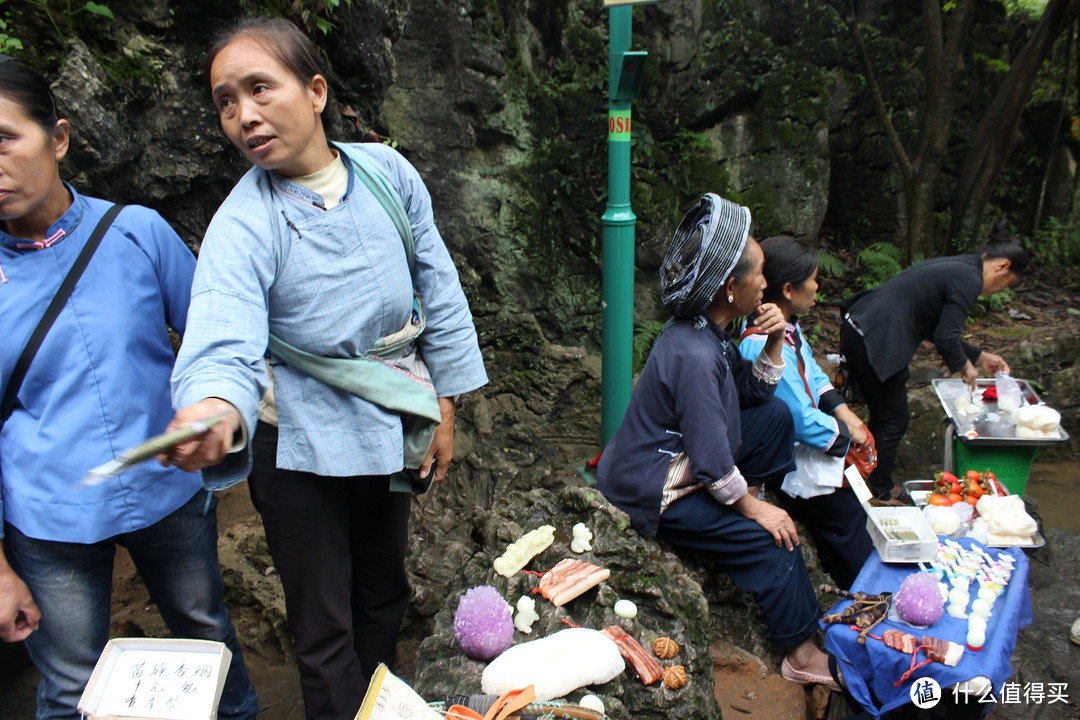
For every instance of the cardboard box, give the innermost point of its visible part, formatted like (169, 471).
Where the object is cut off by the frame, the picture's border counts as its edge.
(156, 679)
(882, 522)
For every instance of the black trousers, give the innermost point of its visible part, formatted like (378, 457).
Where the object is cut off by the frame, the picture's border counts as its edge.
(887, 402)
(776, 578)
(837, 524)
(339, 545)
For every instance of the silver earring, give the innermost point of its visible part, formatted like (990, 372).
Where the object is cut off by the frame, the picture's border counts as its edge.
(730, 299)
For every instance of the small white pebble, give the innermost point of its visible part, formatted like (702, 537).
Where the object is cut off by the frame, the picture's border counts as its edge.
(626, 609)
(592, 702)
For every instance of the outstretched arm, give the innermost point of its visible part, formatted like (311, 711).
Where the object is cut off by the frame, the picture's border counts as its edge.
(992, 363)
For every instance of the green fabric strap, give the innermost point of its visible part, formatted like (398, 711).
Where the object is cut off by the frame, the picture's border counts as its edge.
(390, 374)
(378, 380)
(387, 196)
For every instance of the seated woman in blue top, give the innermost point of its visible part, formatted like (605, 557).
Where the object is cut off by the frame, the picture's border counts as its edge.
(98, 384)
(703, 431)
(303, 248)
(825, 427)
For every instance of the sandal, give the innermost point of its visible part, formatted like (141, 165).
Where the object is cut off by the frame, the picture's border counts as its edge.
(801, 677)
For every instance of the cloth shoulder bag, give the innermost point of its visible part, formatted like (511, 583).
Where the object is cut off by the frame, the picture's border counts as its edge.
(391, 374)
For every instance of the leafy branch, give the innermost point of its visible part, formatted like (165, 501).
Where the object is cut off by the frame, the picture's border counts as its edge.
(70, 12)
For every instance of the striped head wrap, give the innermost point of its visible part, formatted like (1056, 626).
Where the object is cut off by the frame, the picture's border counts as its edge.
(707, 244)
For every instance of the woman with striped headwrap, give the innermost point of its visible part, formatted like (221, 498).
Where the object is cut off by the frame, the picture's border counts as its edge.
(703, 431)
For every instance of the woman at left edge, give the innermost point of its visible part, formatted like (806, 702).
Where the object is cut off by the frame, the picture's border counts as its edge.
(98, 384)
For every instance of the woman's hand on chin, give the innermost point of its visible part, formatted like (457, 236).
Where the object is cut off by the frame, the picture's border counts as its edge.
(770, 320)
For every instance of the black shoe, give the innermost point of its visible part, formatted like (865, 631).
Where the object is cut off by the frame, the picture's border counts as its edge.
(895, 496)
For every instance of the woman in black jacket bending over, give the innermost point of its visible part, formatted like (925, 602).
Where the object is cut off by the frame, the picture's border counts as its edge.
(883, 327)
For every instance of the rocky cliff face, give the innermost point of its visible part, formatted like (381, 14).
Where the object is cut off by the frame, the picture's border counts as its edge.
(501, 106)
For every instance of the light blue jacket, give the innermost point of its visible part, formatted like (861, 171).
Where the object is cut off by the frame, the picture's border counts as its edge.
(811, 401)
(100, 381)
(330, 282)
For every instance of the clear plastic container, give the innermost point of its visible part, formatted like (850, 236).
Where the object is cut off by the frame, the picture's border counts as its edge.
(1009, 397)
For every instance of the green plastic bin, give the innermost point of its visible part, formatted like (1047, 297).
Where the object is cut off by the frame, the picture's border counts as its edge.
(1010, 464)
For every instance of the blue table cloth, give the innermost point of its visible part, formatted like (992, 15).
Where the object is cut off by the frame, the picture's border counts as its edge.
(875, 667)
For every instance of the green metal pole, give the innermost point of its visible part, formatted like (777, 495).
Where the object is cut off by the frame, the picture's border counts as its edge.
(618, 251)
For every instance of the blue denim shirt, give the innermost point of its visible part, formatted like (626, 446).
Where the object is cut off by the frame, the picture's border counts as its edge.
(330, 282)
(100, 381)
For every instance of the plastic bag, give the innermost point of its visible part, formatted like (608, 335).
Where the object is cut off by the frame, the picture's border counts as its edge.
(1009, 397)
(815, 473)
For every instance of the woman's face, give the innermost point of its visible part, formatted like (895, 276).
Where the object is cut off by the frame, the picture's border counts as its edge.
(997, 276)
(747, 292)
(802, 298)
(267, 112)
(28, 166)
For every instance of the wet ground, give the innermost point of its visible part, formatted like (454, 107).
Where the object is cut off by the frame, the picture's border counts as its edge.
(1056, 488)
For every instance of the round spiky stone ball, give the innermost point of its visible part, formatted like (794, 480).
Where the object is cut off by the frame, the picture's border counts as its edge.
(483, 623)
(918, 601)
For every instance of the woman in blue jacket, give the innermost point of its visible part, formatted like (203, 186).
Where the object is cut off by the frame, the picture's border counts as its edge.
(825, 427)
(98, 384)
(304, 249)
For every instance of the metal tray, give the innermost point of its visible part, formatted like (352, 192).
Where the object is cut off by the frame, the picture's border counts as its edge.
(948, 389)
(1037, 541)
(917, 488)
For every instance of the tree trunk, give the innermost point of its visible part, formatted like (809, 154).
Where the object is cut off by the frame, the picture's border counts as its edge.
(989, 143)
(940, 68)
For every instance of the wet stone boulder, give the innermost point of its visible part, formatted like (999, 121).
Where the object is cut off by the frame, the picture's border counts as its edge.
(677, 596)
(668, 593)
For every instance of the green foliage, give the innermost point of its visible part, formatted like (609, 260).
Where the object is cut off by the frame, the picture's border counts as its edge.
(1031, 8)
(831, 264)
(995, 65)
(683, 152)
(1057, 243)
(8, 45)
(645, 334)
(813, 334)
(315, 15)
(881, 260)
(136, 68)
(562, 179)
(989, 305)
(69, 13)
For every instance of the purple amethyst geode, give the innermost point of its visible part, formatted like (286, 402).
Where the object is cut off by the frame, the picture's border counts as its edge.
(918, 601)
(483, 623)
